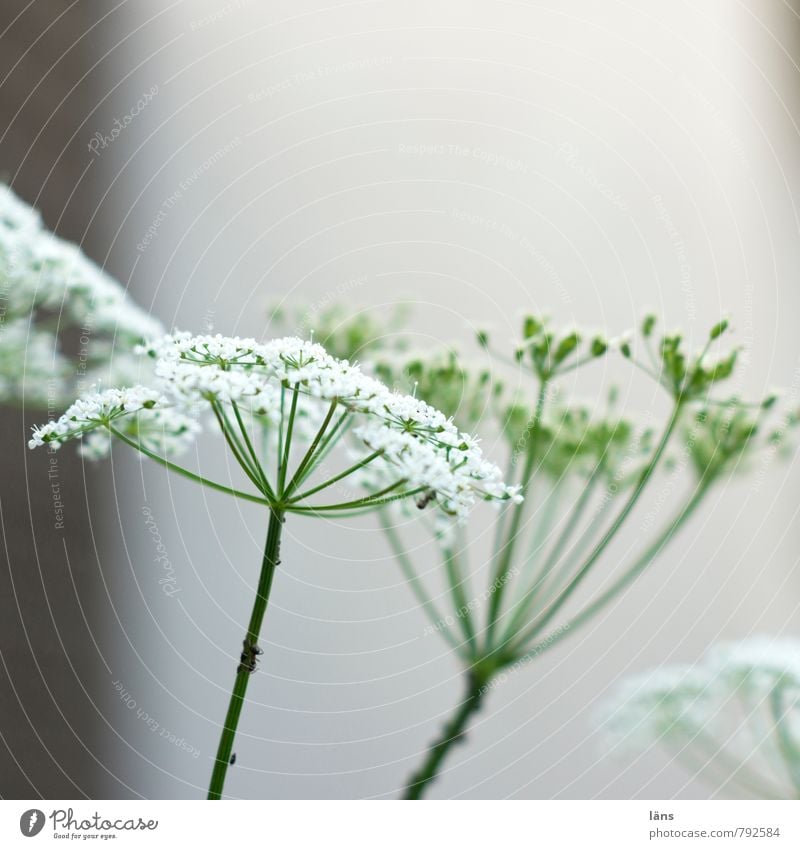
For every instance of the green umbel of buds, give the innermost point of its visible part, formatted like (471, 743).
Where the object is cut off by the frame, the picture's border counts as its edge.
(467, 395)
(687, 377)
(345, 335)
(550, 352)
(722, 438)
(575, 440)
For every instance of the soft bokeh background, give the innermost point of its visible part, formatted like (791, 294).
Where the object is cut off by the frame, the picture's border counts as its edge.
(475, 159)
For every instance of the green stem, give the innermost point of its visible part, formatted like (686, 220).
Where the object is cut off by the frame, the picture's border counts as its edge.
(257, 467)
(453, 732)
(415, 582)
(505, 507)
(601, 546)
(249, 654)
(506, 553)
(297, 478)
(462, 611)
(327, 445)
(525, 604)
(560, 574)
(236, 447)
(174, 467)
(644, 560)
(369, 501)
(336, 478)
(287, 446)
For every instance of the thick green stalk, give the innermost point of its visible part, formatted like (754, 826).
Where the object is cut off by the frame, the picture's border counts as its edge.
(454, 732)
(250, 653)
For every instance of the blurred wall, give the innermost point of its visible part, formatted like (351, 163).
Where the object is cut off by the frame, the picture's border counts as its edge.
(53, 723)
(477, 159)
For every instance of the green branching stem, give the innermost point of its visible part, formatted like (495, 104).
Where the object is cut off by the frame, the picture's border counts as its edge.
(236, 447)
(645, 476)
(374, 500)
(287, 445)
(336, 478)
(298, 476)
(645, 559)
(506, 553)
(329, 442)
(463, 613)
(526, 603)
(437, 620)
(257, 467)
(179, 470)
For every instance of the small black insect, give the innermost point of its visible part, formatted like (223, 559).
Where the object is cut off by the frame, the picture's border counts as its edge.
(249, 657)
(425, 499)
(232, 761)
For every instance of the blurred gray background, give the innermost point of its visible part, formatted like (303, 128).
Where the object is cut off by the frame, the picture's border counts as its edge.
(476, 159)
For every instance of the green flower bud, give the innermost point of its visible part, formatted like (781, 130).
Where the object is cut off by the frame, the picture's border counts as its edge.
(718, 329)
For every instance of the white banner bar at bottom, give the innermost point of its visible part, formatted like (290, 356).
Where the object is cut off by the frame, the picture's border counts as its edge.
(399, 825)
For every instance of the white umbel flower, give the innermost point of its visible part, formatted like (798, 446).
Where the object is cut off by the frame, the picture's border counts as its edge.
(163, 432)
(49, 285)
(454, 476)
(419, 449)
(93, 411)
(738, 708)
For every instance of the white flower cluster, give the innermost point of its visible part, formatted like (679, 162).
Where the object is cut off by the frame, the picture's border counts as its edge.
(453, 475)
(234, 369)
(417, 443)
(740, 704)
(30, 364)
(47, 285)
(157, 425)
